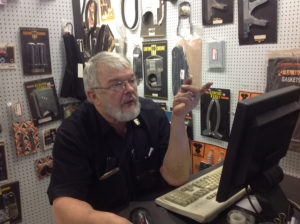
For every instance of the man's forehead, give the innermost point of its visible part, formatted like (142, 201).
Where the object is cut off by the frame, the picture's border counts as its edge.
(108, 73)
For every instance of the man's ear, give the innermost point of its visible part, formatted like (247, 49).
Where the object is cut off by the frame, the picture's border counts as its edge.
(91, 94)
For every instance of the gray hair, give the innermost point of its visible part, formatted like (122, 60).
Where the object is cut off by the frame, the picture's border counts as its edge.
(109, 60)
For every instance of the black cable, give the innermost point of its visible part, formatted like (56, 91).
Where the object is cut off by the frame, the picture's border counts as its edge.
(249, 199)
(294, 204)
(136, 15)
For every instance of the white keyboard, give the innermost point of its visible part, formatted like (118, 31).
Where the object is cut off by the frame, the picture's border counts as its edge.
(197, 198)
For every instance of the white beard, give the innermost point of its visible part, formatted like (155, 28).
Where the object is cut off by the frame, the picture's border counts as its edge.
(119, 115)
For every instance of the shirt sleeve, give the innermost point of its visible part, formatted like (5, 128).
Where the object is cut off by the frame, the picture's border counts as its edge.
(71, 170)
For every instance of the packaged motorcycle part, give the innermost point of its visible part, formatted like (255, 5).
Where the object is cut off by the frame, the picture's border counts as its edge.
(7, 56)
(43, 101)
(26, 138)
(155, 69)
(217, 12)
(257, 21)
(35, 51)
(215, 108)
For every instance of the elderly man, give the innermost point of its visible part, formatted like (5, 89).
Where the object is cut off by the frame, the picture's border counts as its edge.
(117, 147)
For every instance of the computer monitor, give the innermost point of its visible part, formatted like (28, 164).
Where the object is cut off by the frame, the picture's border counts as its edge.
(260, 137)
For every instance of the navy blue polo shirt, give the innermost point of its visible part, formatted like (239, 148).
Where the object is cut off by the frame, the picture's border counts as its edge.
(94, 164)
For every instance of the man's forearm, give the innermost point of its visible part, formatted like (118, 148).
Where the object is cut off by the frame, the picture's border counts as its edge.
(177, 162)
(67, 210)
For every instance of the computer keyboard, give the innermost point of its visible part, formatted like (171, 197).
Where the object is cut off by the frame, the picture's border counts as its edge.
(197, 198)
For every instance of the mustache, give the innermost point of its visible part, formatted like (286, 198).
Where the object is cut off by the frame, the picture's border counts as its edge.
(129, 97)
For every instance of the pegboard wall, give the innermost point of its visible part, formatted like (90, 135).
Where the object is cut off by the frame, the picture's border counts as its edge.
(245, 69)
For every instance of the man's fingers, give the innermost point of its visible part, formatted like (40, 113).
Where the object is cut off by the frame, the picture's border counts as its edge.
(188, 81)
(196, 90)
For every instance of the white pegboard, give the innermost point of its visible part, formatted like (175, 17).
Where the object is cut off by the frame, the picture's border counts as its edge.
(30, 13)
(245, 70)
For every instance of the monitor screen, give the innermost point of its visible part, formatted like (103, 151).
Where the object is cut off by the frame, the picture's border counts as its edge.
(260, 137)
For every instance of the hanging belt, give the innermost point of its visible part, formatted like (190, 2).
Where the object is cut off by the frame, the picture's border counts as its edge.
(136, 15)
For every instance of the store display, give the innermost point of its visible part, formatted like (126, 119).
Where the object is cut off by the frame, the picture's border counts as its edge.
(155, 69)
(49, 135)
(35, 51)
(3, 162)
(215, 108)
(26, 138)
(257, 21)
(44, 166)
(10, 203)
(216, 12)
(43, 101)
(7, 56)
(154, 14)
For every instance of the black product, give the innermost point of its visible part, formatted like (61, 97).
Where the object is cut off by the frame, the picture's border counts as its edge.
(260, 136)
(36, 56)
(179, 68)
(44, 102)
(249, 19)
(72, 85)
(135, 18)
(138, 63)
(105, 40)
(153, 70)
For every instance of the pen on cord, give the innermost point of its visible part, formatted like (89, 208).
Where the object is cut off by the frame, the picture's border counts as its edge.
(150, 151)
(293, 220)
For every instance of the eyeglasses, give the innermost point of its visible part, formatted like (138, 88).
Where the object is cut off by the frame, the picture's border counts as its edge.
(120, 85)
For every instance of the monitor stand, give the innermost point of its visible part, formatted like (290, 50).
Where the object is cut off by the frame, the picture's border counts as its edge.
(270, 196)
